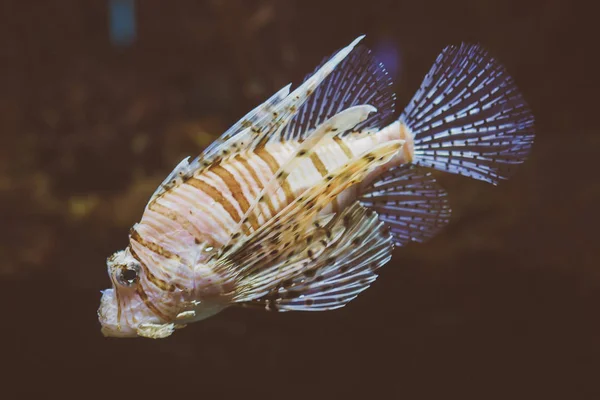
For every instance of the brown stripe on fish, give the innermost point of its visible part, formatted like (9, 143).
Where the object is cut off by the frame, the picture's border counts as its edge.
(236, 191)
(154, 247)
(274, 166)
(322, 169)
(343, 146)
(255, 177)
(243, 177)
(198, 236)
(318, 164)
(216, 196)
(118, 298)
(140, 291)
(156, 281)
(188, 195)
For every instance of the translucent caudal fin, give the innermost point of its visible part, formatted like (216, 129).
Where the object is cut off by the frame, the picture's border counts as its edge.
(469, 118)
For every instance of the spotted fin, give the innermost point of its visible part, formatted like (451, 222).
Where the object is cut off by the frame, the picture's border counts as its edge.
(358, 79)
(345, 268)
(410, 201)
(182, 169)
(469, 118)
(278, 249)
(185, 169)
(260, 113)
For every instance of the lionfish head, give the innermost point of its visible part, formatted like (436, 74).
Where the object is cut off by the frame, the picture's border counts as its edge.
(124, 309)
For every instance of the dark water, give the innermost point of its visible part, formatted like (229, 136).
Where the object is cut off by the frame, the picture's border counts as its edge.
(502, 305)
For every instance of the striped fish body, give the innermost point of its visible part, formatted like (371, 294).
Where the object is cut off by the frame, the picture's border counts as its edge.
(298, 204)
(205, 210)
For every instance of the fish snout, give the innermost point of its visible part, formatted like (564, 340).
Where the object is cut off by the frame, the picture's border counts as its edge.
(113, 325)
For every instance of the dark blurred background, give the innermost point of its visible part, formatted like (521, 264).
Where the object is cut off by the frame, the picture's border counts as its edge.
(100, 99)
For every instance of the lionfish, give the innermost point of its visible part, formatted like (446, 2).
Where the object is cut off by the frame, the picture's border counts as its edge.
(297, 205)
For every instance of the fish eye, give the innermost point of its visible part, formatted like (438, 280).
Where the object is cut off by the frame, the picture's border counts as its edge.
(128, 275)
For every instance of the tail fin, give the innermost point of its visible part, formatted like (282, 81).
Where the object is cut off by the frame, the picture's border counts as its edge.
(469, 118)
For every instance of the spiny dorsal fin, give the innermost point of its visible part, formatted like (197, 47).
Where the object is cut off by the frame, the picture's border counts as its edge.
(358, 79)
(174, 178)
(258, 126)
(259, 132)
(260, 113)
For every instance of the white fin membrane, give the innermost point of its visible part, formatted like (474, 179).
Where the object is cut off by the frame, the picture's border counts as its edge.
(469, 118)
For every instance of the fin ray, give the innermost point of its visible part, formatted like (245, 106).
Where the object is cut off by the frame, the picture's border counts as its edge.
(469, 118)
(259, 113)
(358, 79)
(345, 269)
(410, 201)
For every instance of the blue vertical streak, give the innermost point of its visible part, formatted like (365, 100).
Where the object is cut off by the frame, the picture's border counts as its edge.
(387, 52)
(122, 22)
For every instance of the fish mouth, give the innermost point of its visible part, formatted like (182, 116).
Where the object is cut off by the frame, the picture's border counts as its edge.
(110, 320)
(123, 323)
